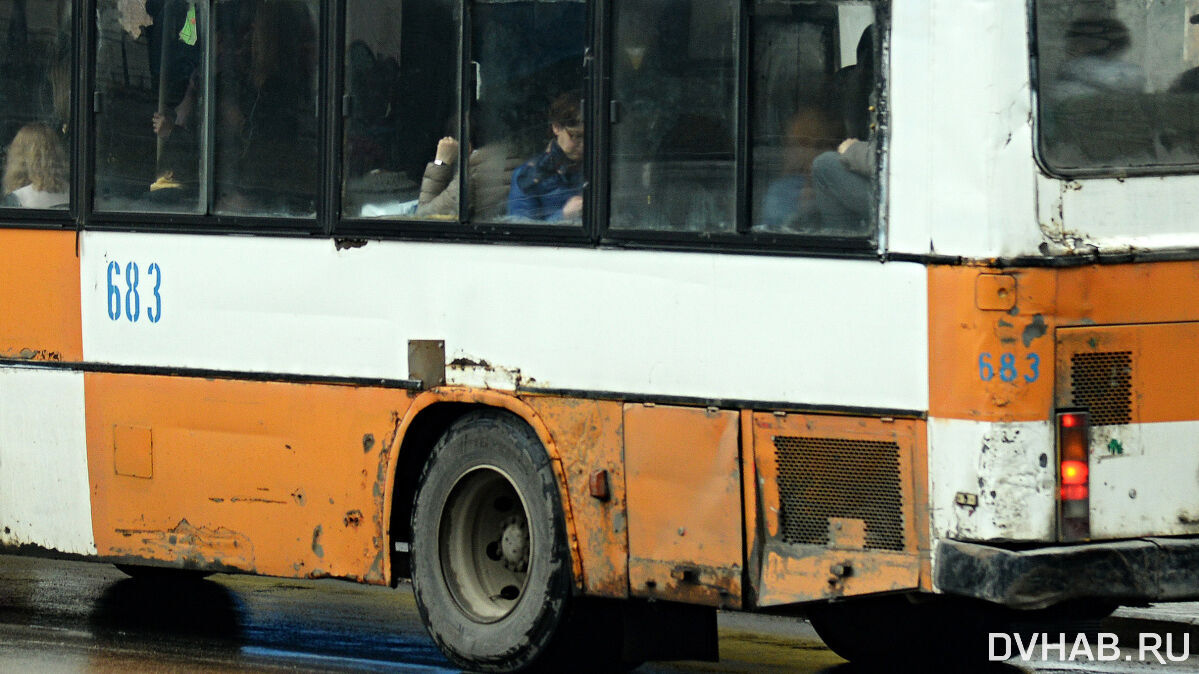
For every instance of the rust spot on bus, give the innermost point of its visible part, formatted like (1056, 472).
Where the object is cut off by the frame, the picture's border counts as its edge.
(693, 583)
(316, 542)
(194, 547)
(35, 354)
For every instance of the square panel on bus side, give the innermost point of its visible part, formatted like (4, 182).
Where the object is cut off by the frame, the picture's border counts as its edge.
(836, 506)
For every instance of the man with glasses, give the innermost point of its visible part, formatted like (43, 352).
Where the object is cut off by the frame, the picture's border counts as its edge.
(549, 187)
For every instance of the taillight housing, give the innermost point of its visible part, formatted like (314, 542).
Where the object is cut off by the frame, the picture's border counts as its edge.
(1074, 475)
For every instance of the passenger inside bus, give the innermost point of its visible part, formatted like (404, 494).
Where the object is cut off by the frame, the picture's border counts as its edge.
(266, 125)
(35, 94)
(842, 181)
(489, 173)
(1096, 106)
(788, 205)
(36, 169)
(549, 187)
(1096, 65)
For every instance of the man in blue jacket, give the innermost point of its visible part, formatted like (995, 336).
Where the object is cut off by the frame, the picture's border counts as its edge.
(549, 187)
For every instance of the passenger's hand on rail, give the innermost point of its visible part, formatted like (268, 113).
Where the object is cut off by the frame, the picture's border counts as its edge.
(447, 150)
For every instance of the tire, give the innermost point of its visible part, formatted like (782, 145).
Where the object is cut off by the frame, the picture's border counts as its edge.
(161, 573)
(491, 566)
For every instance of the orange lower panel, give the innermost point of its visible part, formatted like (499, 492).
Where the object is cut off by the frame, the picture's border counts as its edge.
(39, 296)
(684, 485)
(589, 434)
(271, 478)
(837, 506)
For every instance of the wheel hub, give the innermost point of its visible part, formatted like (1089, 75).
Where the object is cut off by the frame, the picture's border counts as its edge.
(486, 545)
(514, 545)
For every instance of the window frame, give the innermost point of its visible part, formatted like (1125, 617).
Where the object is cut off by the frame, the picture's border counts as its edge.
(194, 223)
(329, 222)
(18, 217)
(746, 239)
(464, 229)
(1039, 144)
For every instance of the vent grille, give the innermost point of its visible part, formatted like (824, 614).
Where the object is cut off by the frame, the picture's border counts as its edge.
(1102, 383)
(820, 478)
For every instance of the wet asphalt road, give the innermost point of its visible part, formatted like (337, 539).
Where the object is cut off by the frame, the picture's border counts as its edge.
(65, 616)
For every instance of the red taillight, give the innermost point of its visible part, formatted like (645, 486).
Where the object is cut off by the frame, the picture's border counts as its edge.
(1074, 473)
(1074, 492)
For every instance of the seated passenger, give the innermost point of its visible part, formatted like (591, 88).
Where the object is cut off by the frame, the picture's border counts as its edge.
(550, 186)
(842, 181)
(842, 185)
(1096, 48)
(36, 172)
(787, 205)
(490, 173)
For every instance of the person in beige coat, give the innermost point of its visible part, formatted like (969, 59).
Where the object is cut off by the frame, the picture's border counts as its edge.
(490, 171)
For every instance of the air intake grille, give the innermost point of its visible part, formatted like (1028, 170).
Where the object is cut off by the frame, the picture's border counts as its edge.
(821, 478)
(1102, 383)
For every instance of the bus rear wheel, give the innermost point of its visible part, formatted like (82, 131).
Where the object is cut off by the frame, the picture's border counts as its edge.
(491, 566)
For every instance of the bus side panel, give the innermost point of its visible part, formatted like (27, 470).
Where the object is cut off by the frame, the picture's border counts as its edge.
(276, 479)
(39, 296)
(991, 378)
(838, 506)
(44, 498)
(684, 482)
(991, 344)
(590, 436)
(654, 323)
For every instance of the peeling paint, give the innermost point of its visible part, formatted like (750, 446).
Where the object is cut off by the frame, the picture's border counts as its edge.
(378, 567)
(195, 547)
(1002, 489)
(256, 499)
(316, 542)
(353, 518)
(35, 354)
(368, 443)
(479, 373)
(1034, 330)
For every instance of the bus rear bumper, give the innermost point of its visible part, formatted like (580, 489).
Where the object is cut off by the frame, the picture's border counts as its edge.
(1145, 569)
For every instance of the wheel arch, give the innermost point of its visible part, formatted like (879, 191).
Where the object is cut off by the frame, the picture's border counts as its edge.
(429, 416)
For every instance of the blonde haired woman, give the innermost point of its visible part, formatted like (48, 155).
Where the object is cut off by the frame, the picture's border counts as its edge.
(36, 171)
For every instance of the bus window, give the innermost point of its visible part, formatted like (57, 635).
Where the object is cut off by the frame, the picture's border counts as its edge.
(265, 107)
(528, 122)
(149, 124)
(674, 78)
(35, 103)
(812, 124)
(401, 124)
(1118, 85)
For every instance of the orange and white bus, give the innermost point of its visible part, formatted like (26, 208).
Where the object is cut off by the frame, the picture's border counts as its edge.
(882, 313)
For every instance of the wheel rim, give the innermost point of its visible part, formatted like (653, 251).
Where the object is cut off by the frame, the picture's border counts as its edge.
(485, 544)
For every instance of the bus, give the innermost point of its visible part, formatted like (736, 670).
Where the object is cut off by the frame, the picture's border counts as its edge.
(874, 312)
